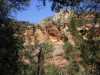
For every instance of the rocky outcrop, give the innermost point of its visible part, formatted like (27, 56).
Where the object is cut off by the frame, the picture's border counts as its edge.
(49, 33)
(55, 31)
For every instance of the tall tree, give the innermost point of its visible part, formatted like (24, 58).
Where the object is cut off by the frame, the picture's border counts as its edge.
(10, 44)
(7, 6)
(77, 5)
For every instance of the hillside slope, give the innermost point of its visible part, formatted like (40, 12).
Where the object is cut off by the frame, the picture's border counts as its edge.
(52, 43)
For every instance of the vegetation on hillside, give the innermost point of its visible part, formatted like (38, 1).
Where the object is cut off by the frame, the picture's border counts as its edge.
(84, 58)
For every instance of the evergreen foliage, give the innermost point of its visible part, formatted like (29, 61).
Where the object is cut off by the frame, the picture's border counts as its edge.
(52, 70)
(87, 47)
(9, 48)
(47, 48)
(7, 6)
(88, 5)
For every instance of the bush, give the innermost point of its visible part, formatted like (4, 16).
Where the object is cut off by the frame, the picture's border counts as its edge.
(47, 48)
(52, 70)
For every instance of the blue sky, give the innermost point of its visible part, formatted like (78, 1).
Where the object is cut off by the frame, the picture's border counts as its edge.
(33, 14)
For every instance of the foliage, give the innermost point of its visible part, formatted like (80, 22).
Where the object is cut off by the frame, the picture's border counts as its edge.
(69, 51)
(47, 48)
(9, 47)
(52, 70)
(47, 20)
(87, 47)
(30, 66)
(12, 51)
(7, 6)
(75, 69)
(27, 69)
(88, 6)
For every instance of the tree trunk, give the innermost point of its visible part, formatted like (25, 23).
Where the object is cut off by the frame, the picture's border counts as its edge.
(40, 69)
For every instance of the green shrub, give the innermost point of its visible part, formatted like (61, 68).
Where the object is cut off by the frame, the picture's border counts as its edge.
(52, 70)
(47, 48)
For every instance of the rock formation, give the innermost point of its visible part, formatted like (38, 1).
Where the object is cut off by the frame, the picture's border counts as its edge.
(55, 31)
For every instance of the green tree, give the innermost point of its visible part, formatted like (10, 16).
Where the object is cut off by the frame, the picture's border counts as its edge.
(88, 5)
(88, 47)
(7, 6)
(9, 44)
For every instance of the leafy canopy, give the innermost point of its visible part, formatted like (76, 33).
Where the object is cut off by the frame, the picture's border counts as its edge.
(7, 6)
(77, 5)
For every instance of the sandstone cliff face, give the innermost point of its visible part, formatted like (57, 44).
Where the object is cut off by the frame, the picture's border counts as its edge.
(52, 35)
(49, 32)
(54, 31)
